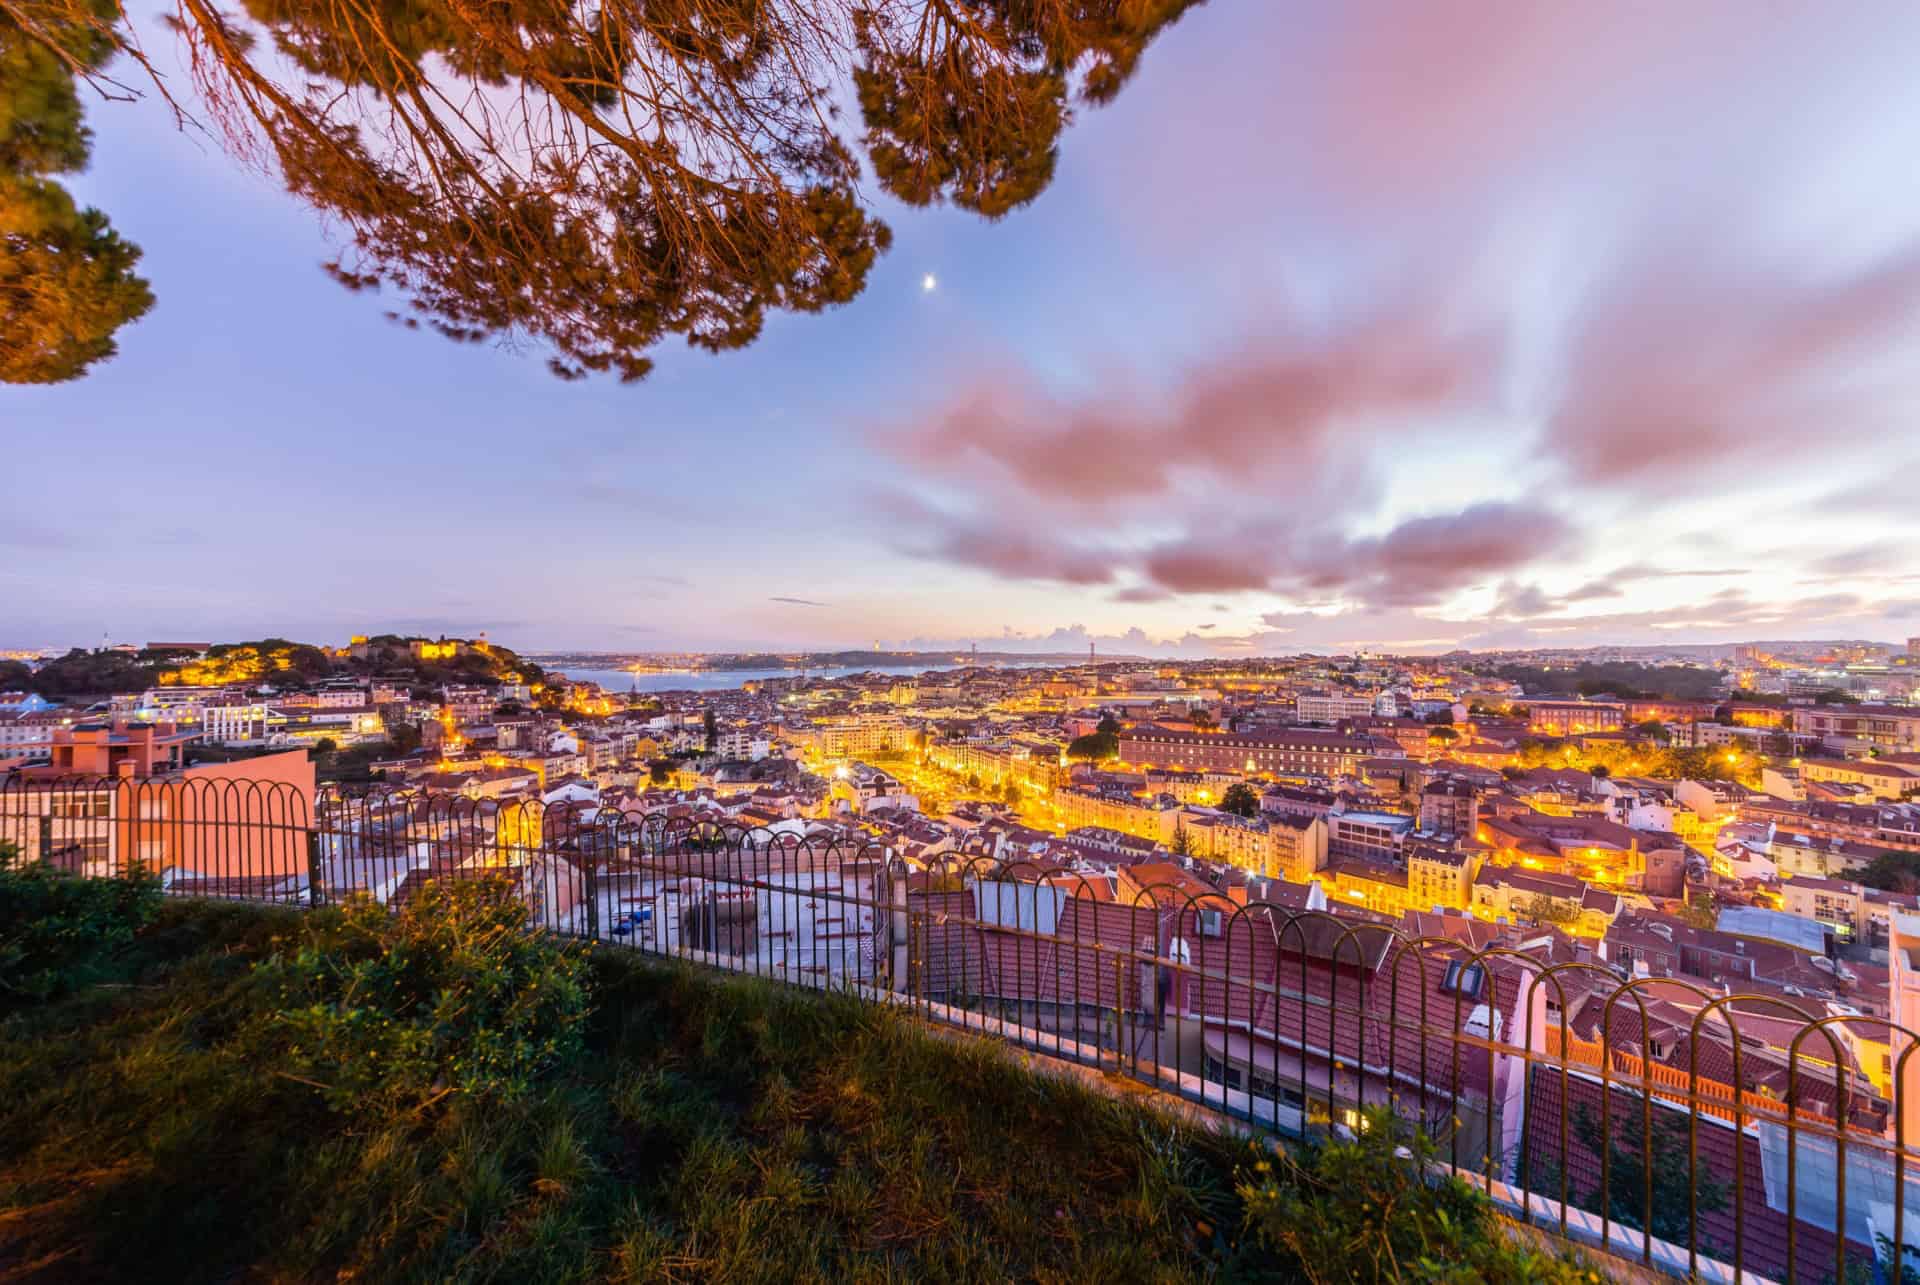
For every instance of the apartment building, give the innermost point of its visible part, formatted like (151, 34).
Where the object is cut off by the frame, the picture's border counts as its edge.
(119, 793)
(1574, 718)
(1332, 706)
(1856, 729)
(1153, 818)
(1885, 782)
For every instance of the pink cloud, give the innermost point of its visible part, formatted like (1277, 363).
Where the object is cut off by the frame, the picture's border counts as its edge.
(1290, 402)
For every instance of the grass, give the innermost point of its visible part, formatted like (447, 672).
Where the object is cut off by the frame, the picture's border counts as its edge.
(715, 1130)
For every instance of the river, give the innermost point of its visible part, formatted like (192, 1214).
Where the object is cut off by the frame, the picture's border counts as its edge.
(720, 680)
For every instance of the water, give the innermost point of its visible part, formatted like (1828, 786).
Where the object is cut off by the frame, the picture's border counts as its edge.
(721, 680)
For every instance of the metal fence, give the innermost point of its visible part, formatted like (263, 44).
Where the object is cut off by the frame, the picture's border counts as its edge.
(1582, 1100)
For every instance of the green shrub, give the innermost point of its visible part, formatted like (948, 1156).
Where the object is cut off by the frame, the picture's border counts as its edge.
(60, 932)
(453, 994)
(1368, 1208)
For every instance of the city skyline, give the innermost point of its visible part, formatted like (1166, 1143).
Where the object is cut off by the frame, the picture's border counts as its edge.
(1543, 328)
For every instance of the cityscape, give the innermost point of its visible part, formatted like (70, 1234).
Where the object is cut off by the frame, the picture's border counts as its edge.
(980, 640)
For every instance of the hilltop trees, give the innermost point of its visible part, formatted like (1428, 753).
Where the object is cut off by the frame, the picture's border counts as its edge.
(600, 178)
(67, 279)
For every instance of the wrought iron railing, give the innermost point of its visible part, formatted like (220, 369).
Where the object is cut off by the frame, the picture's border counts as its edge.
(1590, 1102)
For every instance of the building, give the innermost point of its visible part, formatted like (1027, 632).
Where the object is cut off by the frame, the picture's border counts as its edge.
(742, 744)
(1882, 825)
(24, 703)
(1378, 886)
(1441, 874)
(1841, 908)
(1574, 718)
(1590, 848)
(1371, 836)
(1287, 752)
(1535, 896)
(1331, 707)
(1885, 782)
(1450, 805)
(855, 738)
(1857, 729)
(467, 703)
(1667, 711)
(1289, 848)
(239, 722)
(1155, 818)
(114, 794)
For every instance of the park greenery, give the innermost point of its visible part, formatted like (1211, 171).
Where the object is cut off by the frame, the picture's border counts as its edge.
(59, 932)
(596, 179)
(1625, 679)
(437, 1094)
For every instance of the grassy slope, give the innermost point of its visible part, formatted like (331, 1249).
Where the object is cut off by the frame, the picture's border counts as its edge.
(720, 1130)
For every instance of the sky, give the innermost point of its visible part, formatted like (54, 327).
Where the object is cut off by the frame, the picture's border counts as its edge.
(1478, 323)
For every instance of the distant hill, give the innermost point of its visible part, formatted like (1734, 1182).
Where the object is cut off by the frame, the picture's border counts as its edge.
(280, 662)
(812, 659)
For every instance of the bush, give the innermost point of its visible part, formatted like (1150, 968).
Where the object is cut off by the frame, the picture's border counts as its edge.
(59, 931)
(453, 994)
(1367, 1208)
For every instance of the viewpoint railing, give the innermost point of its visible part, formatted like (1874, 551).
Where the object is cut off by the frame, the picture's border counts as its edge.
(1762, 1133)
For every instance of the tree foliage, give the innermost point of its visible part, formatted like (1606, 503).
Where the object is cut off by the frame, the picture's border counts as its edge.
(1094, 746)
(1891, 872)
(600, 178)
(1625, 679)
(67, 279)
(1241, 799)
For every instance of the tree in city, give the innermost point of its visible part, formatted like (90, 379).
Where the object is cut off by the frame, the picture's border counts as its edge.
(1891, 872)
(403, 737)
(1699, 910)
(326, 745)
(595, 179)
(710, 728)
(660, 771)
(1441, 735)
(67, 279)
(1202, 719)
(1094, 747)
(1108, 725)
(1182, 843)
(1542, 909)
(1241, 799)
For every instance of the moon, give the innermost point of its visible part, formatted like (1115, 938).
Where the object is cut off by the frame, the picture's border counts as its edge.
(929, 283)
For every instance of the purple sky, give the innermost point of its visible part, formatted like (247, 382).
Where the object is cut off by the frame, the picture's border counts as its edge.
(1483, 323)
